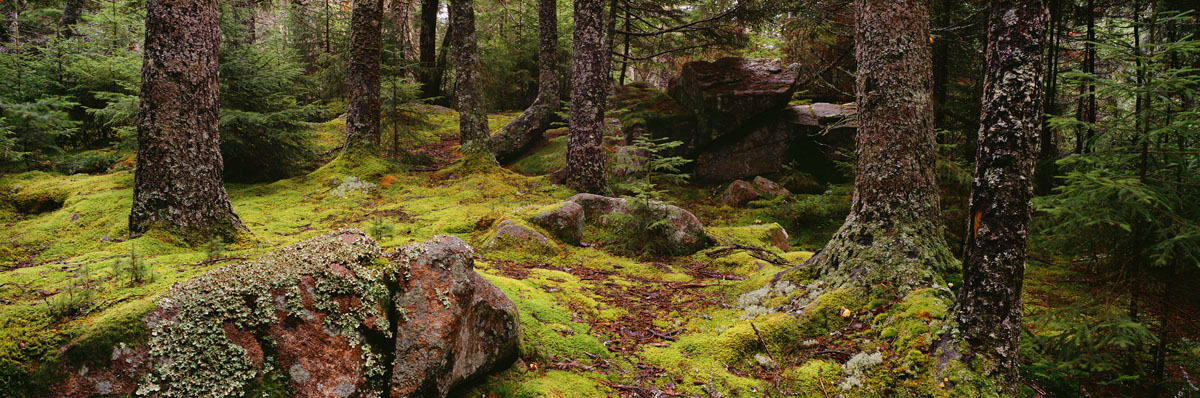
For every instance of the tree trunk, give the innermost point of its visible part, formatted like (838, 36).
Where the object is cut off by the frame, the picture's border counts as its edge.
(177, 182)
(988, 310)
(1090, 68)
(589, 87)
(13, 15)
(1046, 168)
(362, 116)
(427, 44)
(72, 11)
(440, 66)
(893, 234)
(941, 64)
(528, 128)
(472, 120)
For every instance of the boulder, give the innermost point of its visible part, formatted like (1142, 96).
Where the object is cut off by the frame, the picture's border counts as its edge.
(454, 325)
(564, 221)
(770, 188)
(308, 319)
(509, 233)
(729, 93)
(809, 137)
(739, 193)
(643, 109)
(684, 233)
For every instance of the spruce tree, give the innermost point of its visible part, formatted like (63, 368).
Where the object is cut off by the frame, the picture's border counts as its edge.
(177, 183)
(589, 87)
(362, 117)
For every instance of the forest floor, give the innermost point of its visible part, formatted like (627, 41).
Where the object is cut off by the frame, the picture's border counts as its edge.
(595, 322)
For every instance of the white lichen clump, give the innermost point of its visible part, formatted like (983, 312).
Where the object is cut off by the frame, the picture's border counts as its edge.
(856, 368)
(752, 301)
(352, 185)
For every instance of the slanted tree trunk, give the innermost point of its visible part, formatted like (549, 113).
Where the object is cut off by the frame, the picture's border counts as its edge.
(177, 182)
(472, 120)
(988, 310)
(528, 128)
(893, 234)
(362, 81)
(589, 87)
(72, 11)
(431, 84)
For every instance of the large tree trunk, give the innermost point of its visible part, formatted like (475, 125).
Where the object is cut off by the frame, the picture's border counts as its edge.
(72, 11)
(528, 128)
(893, 234)
(362, 117)
(988, 310)
(427, 50)
(589, 87)
(472, 120)
(177, 183)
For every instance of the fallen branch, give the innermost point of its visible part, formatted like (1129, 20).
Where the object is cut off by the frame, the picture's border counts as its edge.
(763, 342)
(756, 252)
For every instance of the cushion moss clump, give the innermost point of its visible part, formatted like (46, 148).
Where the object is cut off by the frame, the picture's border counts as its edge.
(829, 312)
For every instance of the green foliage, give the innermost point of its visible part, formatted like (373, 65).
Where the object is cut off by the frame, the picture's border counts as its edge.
(1082, 343)
(380, 230)
(75, 298)
(264, 134)
(37, 127)
(638, 169)
(133, 268)
(91, 162)
(636, 172)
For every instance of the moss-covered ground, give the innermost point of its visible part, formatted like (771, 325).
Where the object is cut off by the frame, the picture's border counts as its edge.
(74, 283)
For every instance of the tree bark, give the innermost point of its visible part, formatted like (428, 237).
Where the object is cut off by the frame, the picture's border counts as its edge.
(72, 11)
(589, 87)
(431, 84)
(988, 310)
(362, 116)
(13, 15)
(528, 128)
(472, 120)
(1046, 168)
(177, 182)
(893, 234)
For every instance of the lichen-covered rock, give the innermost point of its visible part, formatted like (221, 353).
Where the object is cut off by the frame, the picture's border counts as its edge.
(310, 320)
(564, 221)
(683, 232)
(739, 193)
(453, 325)
(771, 187)
(509, 234)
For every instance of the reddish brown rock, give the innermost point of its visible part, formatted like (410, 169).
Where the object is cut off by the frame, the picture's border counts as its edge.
(729, 93)
(739, 193)
(308, 319)
(564, 221)
(770, 188)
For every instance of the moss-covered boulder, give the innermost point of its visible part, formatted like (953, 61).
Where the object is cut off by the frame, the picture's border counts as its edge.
(675, 230)
(564, 220)
(327, 317)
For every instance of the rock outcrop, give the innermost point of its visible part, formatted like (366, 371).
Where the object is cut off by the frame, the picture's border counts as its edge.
(681, 234)
(740, 192)
(808, 136)
(311, 320)
(727, 94)
(734, 119)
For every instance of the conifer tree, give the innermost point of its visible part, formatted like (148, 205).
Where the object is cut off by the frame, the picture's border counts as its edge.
(178, 183)
(362, 117)
(585, 156)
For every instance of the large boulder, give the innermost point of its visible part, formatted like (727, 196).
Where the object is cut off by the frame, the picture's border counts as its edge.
(511, 234)
(727, 94)
(454, 325)
(311, 319)
(810, 137)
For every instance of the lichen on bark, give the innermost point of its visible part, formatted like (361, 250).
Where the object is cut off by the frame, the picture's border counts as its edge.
(892, 237)
(177, 184)
(585, 156)
(472, 122)
(362, 115)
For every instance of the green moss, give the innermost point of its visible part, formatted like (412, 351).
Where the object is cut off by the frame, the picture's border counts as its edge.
(562, 384)
(545, 159)
(813, 378)
(548, 332)
(831, 311)
(765, 236)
